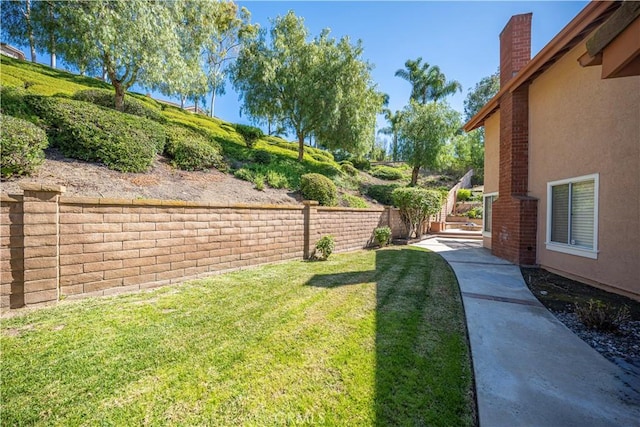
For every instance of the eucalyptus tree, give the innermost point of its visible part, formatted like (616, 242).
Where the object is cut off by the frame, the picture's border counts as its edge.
(17, 23)
(230, 29)
(320, 87)
(424, 131)
(482, 93)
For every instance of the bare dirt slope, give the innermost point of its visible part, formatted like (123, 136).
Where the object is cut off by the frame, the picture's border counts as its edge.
(161, 182)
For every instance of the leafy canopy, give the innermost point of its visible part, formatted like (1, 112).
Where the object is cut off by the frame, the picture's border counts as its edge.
(319, 87)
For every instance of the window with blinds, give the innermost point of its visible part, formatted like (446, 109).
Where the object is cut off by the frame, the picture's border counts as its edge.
(572, 215)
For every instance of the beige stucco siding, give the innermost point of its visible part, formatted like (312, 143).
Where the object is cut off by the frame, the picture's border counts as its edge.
(579, 125)
(491, 159)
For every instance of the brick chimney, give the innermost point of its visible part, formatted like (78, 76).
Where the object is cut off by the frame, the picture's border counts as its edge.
(514, 213)
(515, 46)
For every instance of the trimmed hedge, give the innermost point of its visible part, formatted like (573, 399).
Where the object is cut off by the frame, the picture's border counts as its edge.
(21, 143)
(314, 186)
(105, 98)
(387, 173)
(251, 134)
(88, 132)
(352, 201)
(349, 169)
(12, 102)
(382, 193)
(190, 150)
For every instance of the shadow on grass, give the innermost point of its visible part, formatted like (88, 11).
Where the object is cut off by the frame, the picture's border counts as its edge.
(423, 372)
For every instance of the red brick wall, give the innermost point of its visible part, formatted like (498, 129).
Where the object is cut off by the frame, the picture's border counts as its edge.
(514, 214)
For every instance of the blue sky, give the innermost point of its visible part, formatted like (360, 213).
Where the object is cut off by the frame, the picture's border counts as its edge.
(461, 37)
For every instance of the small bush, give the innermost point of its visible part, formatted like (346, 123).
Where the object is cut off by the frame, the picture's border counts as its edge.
(88, 132)
(21, 144)
(106, 98)
(387, 173)
(463, 195)
(251, 134)
(349, 169)
(191, 151)
(361, 163)
(314, 186)
(325, 247)
(277, 180)
(475, 213)
(382, 235)
(262, 157)
(12, 102)
(416, 205)
(351, 201)
(382, 193)
(600, 316)
(244, 174)
(259, 182)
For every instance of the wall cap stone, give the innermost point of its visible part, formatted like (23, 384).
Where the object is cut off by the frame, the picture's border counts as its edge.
(49, 188)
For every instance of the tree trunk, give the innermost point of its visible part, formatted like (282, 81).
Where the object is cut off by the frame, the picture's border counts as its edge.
(395, 147)
(32, 41)
(213, 101)
(119, 95)
(414, 175)
(182, 97)
(52, 39)
(300, 146)
(195, 105)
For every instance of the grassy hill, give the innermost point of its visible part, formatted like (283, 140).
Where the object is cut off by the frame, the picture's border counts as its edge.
(77, 115)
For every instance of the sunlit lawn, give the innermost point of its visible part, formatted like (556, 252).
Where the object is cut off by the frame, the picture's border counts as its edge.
(366, 338)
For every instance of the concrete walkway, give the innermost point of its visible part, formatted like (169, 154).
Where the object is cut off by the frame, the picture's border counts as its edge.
(530, 370)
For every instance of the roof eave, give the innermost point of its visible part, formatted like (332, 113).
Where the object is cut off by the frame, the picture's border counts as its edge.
(583, 21)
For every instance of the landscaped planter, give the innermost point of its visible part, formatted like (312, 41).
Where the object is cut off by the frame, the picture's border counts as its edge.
(437, 227)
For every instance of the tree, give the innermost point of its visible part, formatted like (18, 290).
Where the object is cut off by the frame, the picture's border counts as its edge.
(17, 23)
(315, 87)
(47, 25)
(428, 83)
(416, 206)
(231, 28)
(482, 93)
(136, 41)
(394, 120)
(424, 131)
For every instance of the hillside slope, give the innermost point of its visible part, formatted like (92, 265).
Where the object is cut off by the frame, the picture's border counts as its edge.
(270, 163)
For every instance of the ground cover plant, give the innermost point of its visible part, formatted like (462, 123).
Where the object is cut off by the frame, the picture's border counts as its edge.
(365, 338)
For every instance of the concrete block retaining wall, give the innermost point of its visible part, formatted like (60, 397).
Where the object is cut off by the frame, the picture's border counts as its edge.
(54, 247)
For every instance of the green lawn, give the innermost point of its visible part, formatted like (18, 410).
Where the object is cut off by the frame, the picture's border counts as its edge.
(366, 338)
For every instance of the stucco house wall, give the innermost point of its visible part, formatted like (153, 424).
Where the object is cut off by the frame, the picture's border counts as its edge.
(580, 124)
(491, 161)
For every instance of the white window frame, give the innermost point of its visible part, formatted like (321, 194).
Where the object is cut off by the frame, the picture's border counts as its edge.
(568, 248)
(484, 216)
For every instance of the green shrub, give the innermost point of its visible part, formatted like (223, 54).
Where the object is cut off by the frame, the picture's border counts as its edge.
(598, 315)
(277, 180)
(387, 173)
(21, 144)
(244, 174)
(318, 187)
(382, 193)
(416, 205)
(88, 132)
(325, 247)
(190, 150)
(259, 182)
(382, 235)
(251, 134)
(349, 169)
(361, 163)
(106, 98)
(12, 102)
(262, 157)
(463, 195)
(351, 201)
(475, 213)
